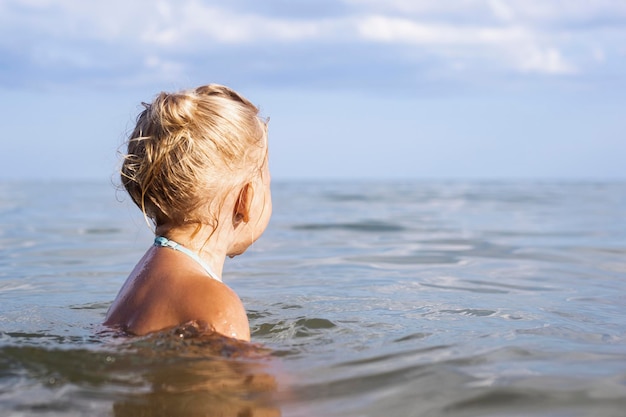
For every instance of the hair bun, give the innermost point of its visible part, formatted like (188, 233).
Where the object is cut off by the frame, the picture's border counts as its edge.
(172, 111)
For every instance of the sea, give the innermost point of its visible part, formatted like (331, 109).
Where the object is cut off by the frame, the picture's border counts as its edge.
(365, 298)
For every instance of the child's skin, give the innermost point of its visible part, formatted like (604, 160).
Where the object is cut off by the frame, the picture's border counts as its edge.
(168, 288)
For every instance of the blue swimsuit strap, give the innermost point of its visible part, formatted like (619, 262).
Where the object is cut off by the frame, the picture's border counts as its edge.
(167, 243)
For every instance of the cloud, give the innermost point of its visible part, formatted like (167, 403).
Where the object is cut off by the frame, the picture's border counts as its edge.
(63, 42)
(515, 44)
(193, 23)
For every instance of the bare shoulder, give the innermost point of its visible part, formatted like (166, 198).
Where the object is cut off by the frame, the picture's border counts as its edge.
(216, 304)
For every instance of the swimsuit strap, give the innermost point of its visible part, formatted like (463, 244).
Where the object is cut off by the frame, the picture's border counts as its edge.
(167, 243)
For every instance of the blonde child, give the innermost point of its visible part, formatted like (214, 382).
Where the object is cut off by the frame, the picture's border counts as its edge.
(197, 167)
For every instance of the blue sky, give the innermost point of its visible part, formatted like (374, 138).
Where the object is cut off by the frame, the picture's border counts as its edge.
(427, 89)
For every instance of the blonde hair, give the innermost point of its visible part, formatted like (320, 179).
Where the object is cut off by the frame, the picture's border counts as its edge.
(188, 149)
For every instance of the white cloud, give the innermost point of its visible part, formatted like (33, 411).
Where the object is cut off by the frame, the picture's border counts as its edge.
(564, 11)
(518, 46)
(547, 61)
(549, 37)
(502, 10)
(423, 7)
(195, 24)
(506, 10)
(391, 29)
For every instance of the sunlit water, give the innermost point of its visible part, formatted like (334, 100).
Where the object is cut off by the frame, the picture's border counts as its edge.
(365, 299)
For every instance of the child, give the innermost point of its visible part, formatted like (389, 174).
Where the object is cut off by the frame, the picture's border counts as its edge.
(197, 167)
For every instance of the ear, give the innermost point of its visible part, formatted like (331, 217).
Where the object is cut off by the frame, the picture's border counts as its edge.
(243, 204)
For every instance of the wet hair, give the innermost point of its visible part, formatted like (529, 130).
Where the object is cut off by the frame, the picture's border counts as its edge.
(188, 150)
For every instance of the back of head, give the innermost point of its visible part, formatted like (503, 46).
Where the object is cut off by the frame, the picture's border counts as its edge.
(188, 150)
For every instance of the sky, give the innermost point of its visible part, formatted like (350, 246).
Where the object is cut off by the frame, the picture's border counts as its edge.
(355, 89)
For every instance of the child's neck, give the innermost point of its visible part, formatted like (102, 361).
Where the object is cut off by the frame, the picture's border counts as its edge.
(205, 243)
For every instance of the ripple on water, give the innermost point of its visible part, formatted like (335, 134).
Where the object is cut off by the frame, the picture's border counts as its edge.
(184, 371)
(471, 312)
(363, 226)
(421, 258)
(301, 327)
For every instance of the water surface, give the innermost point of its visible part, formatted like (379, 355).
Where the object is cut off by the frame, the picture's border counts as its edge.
(365, 299)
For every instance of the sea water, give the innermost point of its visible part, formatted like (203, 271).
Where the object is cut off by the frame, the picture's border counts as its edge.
(365, 298)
